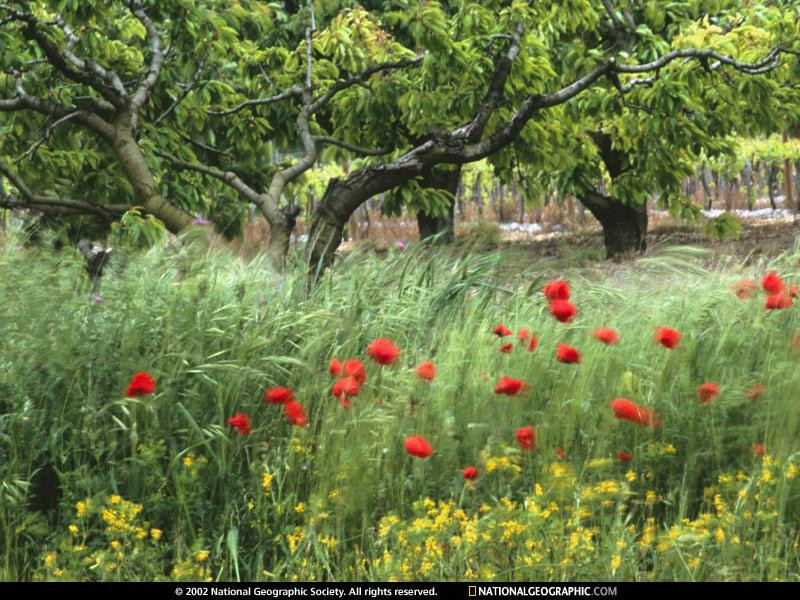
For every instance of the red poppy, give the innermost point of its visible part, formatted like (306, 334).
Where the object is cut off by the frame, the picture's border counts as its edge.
(142, 384)
(383, 351)
(426, 370)
(526, 437)
(417, 446)
(744, 288)
(772, 283)
(624, 456)
(567, 354)
(295, 413)
(509, 386)
(707, 392)
(278, 396)
(470, 473)
(756, 391)
(559, 452)
(667, 337)
(523, 334)
(557, 290)
(606, 335)
(346, 386)
(533, 343)
(563, 310)
(335, 368)
(355, 368)
(241, 422)
(501, 331)
(506, 348)
(778, 301)
(629, 411)
(758, 449)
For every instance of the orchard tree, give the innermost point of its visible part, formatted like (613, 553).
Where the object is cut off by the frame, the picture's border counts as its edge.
(472, 100)
(291, 88)
(70, 69)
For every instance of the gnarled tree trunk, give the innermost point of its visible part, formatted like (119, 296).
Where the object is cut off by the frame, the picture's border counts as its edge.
(624, 225)
(429, 226)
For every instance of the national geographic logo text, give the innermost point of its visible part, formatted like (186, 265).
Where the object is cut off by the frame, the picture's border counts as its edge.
(548, 591)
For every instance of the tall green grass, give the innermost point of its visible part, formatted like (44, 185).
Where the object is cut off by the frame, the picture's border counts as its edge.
(216, 332)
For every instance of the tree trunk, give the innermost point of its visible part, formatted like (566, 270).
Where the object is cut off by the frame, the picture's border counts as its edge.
(477, 197)
(144, 184)
(748, 180)
(773, 172)
(280, 235)
(624, 225)
(787, 179)
(342, 197)
(429, 226)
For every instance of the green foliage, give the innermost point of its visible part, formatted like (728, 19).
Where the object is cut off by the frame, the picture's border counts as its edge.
(134, 231)
(724, 227)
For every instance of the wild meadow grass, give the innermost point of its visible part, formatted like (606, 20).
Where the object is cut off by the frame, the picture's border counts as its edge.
(95, 485)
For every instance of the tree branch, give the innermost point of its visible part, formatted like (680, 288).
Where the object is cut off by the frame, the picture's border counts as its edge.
(228, 177)
(156, 62)
(494, 96)
(326, 139)
(46, 136)
(183, 93)
(361, 77)
(293, 92)
(55, 205)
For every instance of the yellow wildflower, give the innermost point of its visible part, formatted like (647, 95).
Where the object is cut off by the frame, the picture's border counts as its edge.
(202, 555)
(156, 534)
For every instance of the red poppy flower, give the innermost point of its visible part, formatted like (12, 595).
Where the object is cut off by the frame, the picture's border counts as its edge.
(707, 392)
(355, 368)
(772, 283)
(470, 473)
(667, 337)
(142, 384)
(778, 301)
(758, 449)
(241, 422)
(426, 370)
(346, 386)
(526, 437)
(606, 335)
(523, 334)
(744, 288)
(624, 456)
(509, 386)
(417, 446)
(567, 354)
(756, 391)
(563, 310)
(559, 452)
(629, 411)
(533, 343)
(335, 368)
(501, 331)
(557, 290)
(383, 351)
(506, 348)
(295, 413)
(278, 396)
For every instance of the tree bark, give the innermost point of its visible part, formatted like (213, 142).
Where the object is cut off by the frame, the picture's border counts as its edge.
(429, 226)
(280, 235)
(144, 184)
(624, 225)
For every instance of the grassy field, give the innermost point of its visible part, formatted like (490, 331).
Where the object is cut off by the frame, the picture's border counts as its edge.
(96, 485)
